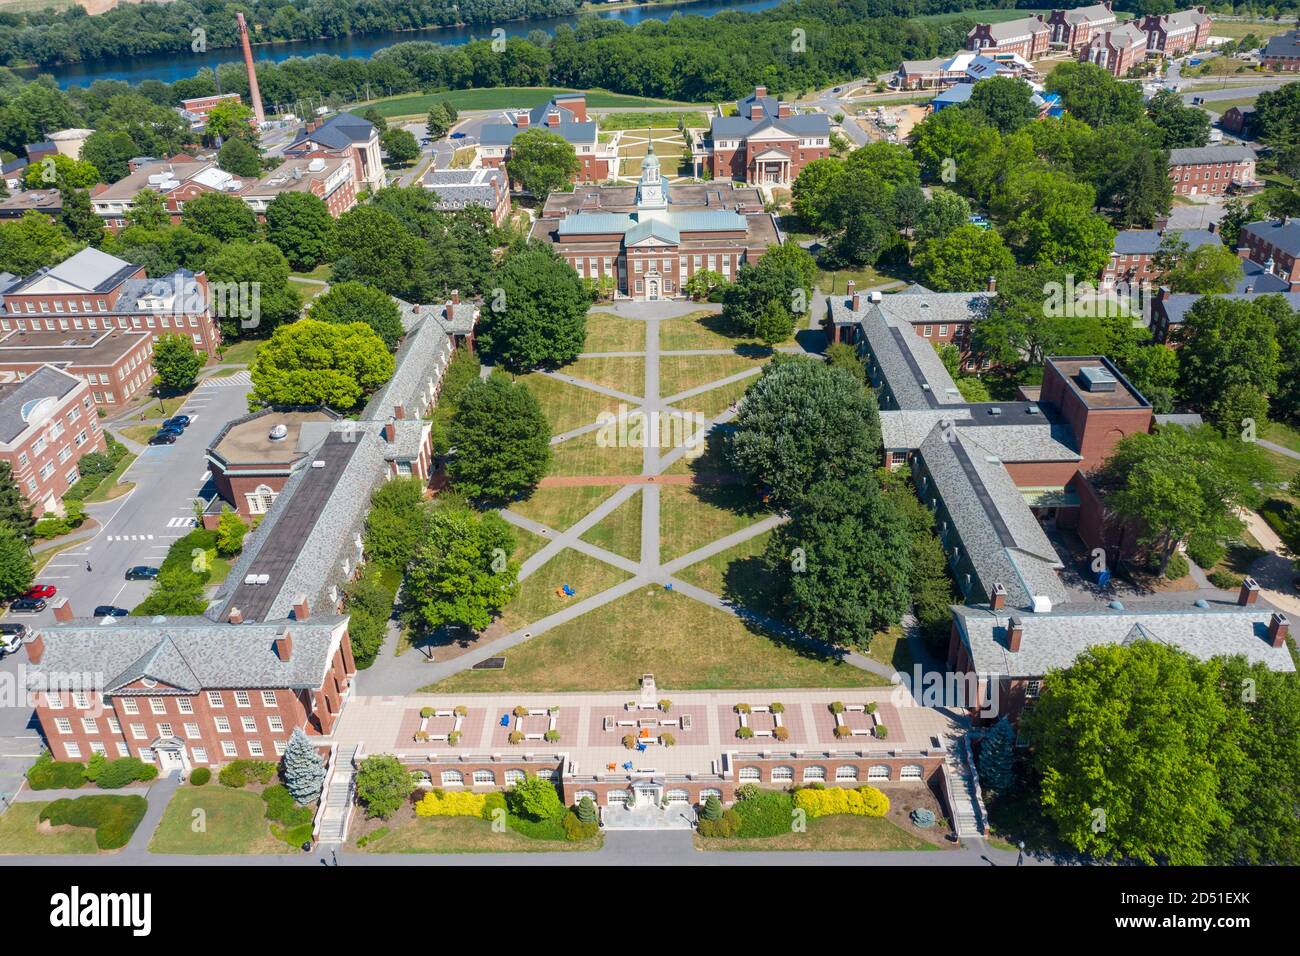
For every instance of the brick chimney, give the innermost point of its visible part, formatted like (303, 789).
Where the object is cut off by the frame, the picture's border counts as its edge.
(521, 120)
(1278, 628)
(455, 296)
(300, 610)
(1015, 631)
(36, 649)
(390, 436)
(284, 646)
(999, 600)
(399, 411)
(62, 611)
(553, 118)
(993, 284)
(760, 91)
(236, 616)
(1249, 593)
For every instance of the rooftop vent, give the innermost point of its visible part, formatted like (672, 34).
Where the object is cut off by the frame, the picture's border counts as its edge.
(1201, 602)
(279, 432)
(1094, 378)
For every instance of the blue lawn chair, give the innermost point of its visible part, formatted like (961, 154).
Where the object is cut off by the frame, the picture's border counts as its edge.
(640, 748)
(505, 720)
(628, 765)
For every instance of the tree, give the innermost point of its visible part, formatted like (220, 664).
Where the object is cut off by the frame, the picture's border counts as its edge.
(811, 191)
(240, 157)
(964, 260)
(398, 522)
(149, 210)
(997, 753)
(372, 245)
(1277, 116)
(230, 534)
(56, 171)
(221, 215)
(372, 116)
(109, 151)
(1006, 103)
(80, 219)
(703, 284)
(1286, 397)
(32, 242)
(1153, 371)
(535, 798)
(843, 356)
(767, 296)
(438, 123)
(261, 271)
(542, 162)
(302, 769)
(228, 120)
(15, 510)
(502, 440)
(1092, 95)
(543, 316)
(836, 434)
(842, 560)
(400, 146)
(175, 362)
(300, 225)
(1177, 483)
(945, 212)
(462, 574)
(1226, 342)
(383, 785)
(1206, 269)
(1180, 126)
(1153, 727)
(319, 363)
(16, 568)
(354, 302)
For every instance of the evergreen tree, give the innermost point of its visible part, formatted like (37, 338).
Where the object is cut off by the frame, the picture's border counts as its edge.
(79, 219)
(302, 769)
(586, 811)
(996, 756)
(15, 511)
(712, 808)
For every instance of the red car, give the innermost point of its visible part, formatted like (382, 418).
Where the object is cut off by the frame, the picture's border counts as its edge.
(42, 591)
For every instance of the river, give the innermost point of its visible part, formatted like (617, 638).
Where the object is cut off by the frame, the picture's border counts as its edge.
(170, 67)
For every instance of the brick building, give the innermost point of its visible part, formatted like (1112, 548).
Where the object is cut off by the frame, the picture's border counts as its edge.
(1117, 49)
(650, 240)
(942, 72)
(195, 110)
(1211, 170)
(1169, 310)
(566, 117)
(458, 188)
(1173, 34)
(1282, 52)
(1274, 244)
(1132, 258)
(1238, 120)
(1029, 38)
(184, 692)
(47, 202)
(937, 317)
(343, 136)
(1072, 30)
(331, 179)
(47, 422)
(766, 141)
(177, 180)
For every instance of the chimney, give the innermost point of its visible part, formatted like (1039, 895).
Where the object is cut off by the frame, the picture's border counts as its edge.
(1278, 628)
(856, 302)
(399, 411)
(553, 118)
(390, 436)
(62, 611)
(36, 649)
(1249, 593)
(521, 120)
(999, 600)
(236, 616)
(284, 646)
(1250, 287)
(300, 612)
(1015, 631)
(760, 91)
(415, 309)
(993, 284)
(455, 296)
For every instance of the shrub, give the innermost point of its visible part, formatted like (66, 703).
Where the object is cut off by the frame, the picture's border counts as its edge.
(744, 733)
(712, 808)
(781, 733)
(843, 730)
(383, 785)
(837, 707)
(765, 813)
(239, 773)
(667, 740)
(200, 776)
(1205, 550)
(1178, 568)
(871, 707)
(748, 791)
(665, 705)
(725, 827)
(586, 810)
(862, 802)
(123, 771)
(437, 803)
(629, 741)
(421, 736)
(460, 710)
(777, 708)
(50, 774)
(551, 736)
(880, 731)
(426, 712)
(1225, 580)
(281, 808)
(742, 709)
(113, 818)
(535, 798)
(453, 738)
(576, 830)
(516, 737)
(492, 802)
(521, 711)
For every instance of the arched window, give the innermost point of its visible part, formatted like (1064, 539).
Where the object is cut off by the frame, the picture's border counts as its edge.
(452, 778)
(846, 773)
(550, 774)
(260, 500)
(514, 776)
(422, 778)
(782, 774)
(813, 773)
(617, 798)
(584, 795)
(878, 772)
(678, 796)
(750, 773)
(484, 778)
(911, 772)
(710, 792)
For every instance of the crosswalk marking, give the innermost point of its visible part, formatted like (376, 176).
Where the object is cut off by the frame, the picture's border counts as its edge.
(241, 378)
(189, 522)
(129, 537)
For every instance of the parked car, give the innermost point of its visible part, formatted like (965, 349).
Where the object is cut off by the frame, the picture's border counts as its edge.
(176, 422)
(978, 220)
(28, 605)
(141, 572)
(41, 591)
(164, 438)
(108, 610)
(12, 636)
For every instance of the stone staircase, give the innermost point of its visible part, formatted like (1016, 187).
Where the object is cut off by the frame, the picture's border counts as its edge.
(336, 811)
(963, 788)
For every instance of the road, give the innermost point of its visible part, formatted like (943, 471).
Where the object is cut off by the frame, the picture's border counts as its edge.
(139, 527)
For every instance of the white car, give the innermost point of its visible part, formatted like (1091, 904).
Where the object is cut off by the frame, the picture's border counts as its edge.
(12, 637)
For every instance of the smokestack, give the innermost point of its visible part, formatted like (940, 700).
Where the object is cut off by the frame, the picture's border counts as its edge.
(253, 92)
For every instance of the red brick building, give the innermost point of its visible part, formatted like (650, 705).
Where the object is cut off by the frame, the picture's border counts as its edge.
(343, 136)
(1028, 37)
(1132, 259)
(766, 141)
(186, 692)
(1282, 52)
(1072, 30)
(459, 188)
(566, 117)
(1211, 171)
(177, 180)
(47, 423)
(1173, 34)
(331, 179)
(1275, 245)
(1117, 50)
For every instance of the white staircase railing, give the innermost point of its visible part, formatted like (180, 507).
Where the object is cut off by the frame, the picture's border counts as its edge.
(336, 802)
(963, 790)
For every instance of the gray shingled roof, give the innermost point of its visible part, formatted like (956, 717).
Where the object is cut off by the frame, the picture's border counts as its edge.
(503, 134)
(1197, 155)
(185, 654)
(338, 132)
(423, 354)
(1179, 304)
(46, 382)
(1011, 29)
(1138, 242)
(481, 186)
(1282, 233)
(1254, 277)
(1054, 640)
(1284, 44)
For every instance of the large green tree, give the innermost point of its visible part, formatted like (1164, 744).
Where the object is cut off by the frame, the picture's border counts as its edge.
(1180, 126)
(252, 273)
(502, 440)
(354, 302)
(16, 568)
(15, 509)
(964, 260)
(537, 314)
(175, 362)
(1006, 103)
(1227, 344)
(462, 575)
(542, 162)
(400, 146)
(383, 785)
(221, 215)
(320, 363)
(770, 295)
(31, 242)
(240, 157)
(300, 225)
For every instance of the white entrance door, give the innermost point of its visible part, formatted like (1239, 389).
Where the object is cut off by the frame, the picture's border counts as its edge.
(652, 288)
(170, 761)
(647, 796)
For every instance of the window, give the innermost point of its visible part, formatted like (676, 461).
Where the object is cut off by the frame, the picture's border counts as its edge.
(164, 730)
(453, 778)
(911, 772)
(113, 724)
(782, 774)
(223, 725)
(63, 725)
(72, 750)
(878, 772)
(750, 773)
(710, 792)
(255, 748)
(678, 796)
(185, 705)
(929, 330)
(279, 748)
(617, 798)
(192, 731)
(157, 705)
(200, 755)
(122, 749)
(248, 724)
(130, 706)
(89, 726)
(228, 749)
(846, 773)
(268, 698)
(146, 755)
(276, 725)
(514, 776)
(484, 778)
(214, 699)
(814, 773)
(138, 731)
(98, 747)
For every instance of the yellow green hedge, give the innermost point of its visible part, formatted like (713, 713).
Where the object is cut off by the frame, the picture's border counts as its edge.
(862, 802)
(436, 803)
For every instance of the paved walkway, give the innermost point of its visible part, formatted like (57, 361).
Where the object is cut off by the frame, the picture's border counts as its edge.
(1275, 571)
(1280, 449)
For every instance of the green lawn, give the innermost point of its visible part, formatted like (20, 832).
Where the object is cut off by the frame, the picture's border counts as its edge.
(691, 517)
(705, 330)
(233, 822)
(679, 373)
(607, 332)
(1222, 106)
(19, 833)
(560, 507)
(839, 832)
(686, 644)
(320, 273)
(666, 120)
(584, 455)
(538, 597)
(567, 406)
(626, 375)
(1280, 433)
(836, 282)
(620, 530)
(527, 544)
(463, 835)
(241, 352)
(716, 400)
(138, 433)
(503, 97)
(739, 573)
(112, 486)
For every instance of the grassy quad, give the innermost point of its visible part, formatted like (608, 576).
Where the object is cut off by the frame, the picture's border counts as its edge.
(620, 530)
(567, 406)
(680, 373)
(540, 596)
(622, 373)
(692, 516)
(607, 332)
(234, 822)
